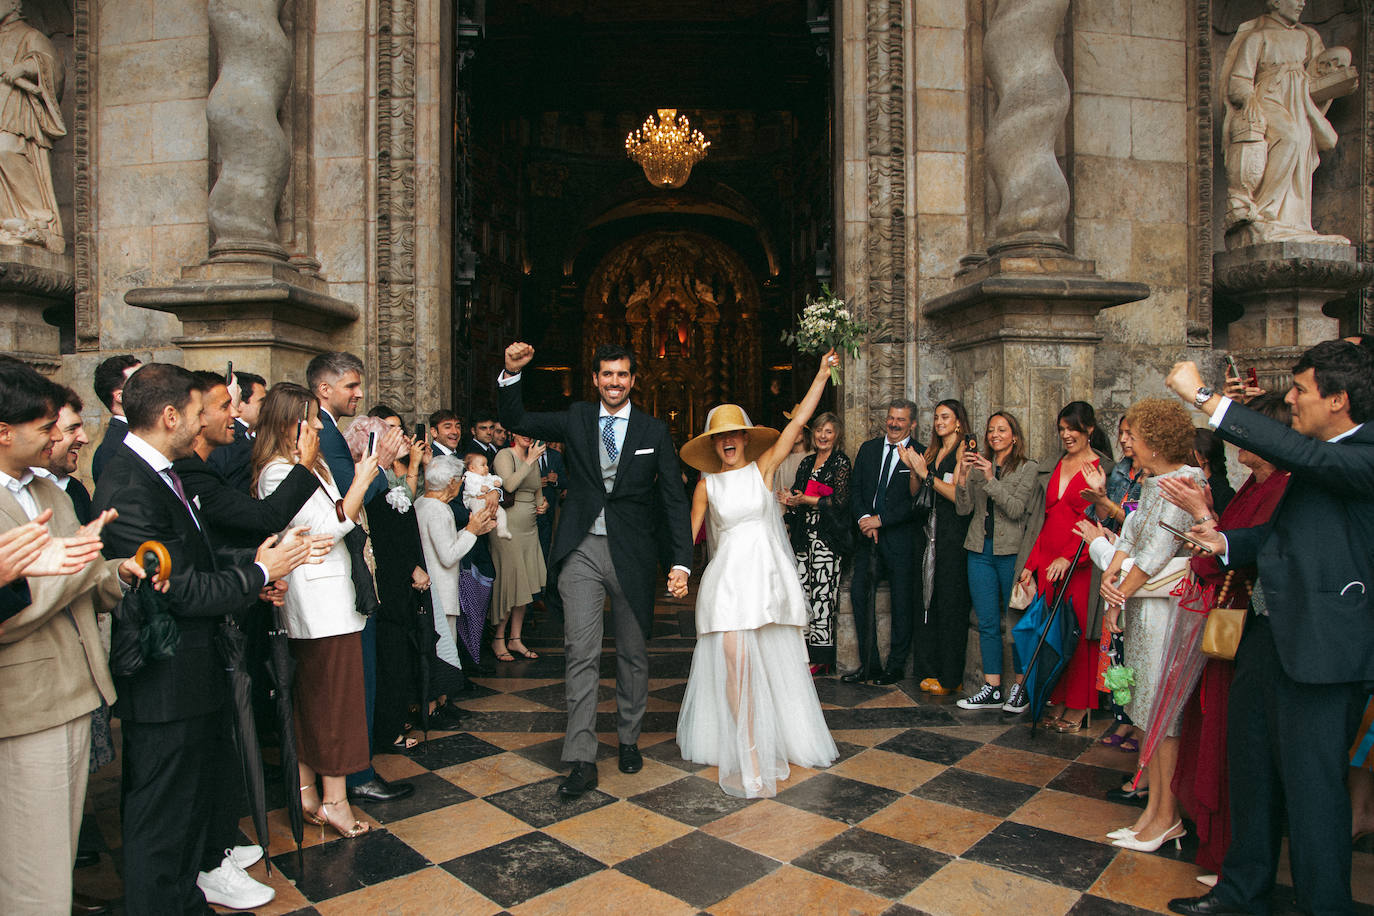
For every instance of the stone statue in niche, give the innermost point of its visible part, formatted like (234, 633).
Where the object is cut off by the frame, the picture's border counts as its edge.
(30, 120)
(1278, 80)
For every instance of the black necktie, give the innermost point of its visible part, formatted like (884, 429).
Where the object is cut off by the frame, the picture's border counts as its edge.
(880, 497)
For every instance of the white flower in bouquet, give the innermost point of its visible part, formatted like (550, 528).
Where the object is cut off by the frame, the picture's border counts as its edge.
(398, 497)
(826, 324)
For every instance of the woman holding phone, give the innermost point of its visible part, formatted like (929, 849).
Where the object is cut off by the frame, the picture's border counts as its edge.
(995, 490)
(321, 614)
(941, 631)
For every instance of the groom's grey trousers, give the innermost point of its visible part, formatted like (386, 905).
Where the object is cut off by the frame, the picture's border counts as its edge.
(587, 578)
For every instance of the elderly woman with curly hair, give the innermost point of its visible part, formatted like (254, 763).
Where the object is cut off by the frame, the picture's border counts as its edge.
(1138, 584)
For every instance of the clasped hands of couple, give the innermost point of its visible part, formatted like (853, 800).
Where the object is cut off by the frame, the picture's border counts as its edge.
(518, 356)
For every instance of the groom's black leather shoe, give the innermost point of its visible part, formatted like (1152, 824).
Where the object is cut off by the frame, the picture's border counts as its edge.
(1207, 905)
(582, 778)
(630, 759)
(887, 677)
(855, 677)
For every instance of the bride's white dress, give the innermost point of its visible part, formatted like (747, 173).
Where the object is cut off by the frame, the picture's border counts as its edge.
(750, 705)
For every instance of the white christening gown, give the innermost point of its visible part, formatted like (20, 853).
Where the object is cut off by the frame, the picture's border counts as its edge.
(750, 705)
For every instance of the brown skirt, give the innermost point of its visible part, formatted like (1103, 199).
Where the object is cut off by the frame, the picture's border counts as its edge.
(331, 717)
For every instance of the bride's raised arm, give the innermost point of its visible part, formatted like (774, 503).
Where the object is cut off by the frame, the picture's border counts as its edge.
(770, 460)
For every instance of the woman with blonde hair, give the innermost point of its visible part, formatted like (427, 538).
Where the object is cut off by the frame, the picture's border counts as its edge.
(322, 619)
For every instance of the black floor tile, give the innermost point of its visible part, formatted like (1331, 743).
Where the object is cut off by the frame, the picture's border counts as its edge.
(450, 750)
(1047, 742)
(878, 864)
(894, 717)
(550, 754)
(341, 866)
(698, 868)
(661, 664)
(431, 793)
(925, 745)
(836, 692)
(673, 693)
(1087, 780)
(976, 792)
(845, 800)
(304, 911)
(668, 752)
(539, 804)
(1090, 905)
(555, 697)
(692, 801)
(1063, 860)
(520, 868)
(901, 909)
(476, 690)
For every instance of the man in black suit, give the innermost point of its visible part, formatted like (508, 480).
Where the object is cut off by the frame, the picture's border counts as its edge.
(234, 459)
(174, 711)
(336, 381)
(483, 438)
(882, 506)
(624, 494)
(1307, 655)
(110, 377)
(446, 434)
(66, 453)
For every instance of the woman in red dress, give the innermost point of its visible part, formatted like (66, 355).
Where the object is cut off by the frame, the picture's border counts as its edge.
(1200, 779)
(1048, 556)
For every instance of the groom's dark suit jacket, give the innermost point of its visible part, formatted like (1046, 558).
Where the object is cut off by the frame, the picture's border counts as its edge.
(649, 477)
(1316, 552)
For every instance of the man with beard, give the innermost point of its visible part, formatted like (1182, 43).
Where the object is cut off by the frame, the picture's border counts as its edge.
(66, 452)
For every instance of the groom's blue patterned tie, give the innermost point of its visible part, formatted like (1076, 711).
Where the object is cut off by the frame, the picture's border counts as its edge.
(608, 436)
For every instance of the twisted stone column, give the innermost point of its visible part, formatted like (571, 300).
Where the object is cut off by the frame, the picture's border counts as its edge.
(1032, 101)
(254, 73)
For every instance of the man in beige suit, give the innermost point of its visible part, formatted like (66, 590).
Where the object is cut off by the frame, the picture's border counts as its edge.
(52, 666)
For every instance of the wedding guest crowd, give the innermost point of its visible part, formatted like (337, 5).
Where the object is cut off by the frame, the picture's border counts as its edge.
(275, 505)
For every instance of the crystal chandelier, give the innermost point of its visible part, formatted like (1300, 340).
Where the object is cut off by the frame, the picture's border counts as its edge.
(666, 150)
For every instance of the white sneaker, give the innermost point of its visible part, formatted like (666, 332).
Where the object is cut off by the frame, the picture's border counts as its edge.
(246, 856)
(232, 887)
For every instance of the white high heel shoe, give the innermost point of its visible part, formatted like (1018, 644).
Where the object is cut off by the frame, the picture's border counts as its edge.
(1121, 833)
(1152, 845)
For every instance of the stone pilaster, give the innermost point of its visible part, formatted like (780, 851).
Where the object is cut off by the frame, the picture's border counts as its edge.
(33, 280)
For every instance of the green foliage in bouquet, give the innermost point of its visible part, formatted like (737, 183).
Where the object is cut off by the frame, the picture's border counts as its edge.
(825, 325)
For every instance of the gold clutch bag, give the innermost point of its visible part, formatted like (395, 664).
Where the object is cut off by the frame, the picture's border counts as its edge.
(1225, 626)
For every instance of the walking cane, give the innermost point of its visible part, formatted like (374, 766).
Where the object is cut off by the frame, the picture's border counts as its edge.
(865, 662)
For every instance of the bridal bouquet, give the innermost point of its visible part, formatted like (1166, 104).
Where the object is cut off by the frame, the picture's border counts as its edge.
(826, 324)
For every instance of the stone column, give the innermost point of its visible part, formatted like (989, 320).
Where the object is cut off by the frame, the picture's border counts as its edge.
(33, 280)
(246, 301)
(1020, 320)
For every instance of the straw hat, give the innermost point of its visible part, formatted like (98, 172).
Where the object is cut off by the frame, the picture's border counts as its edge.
(700, 452)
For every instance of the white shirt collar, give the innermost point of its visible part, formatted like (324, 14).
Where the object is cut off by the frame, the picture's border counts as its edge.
(1349, 432)
(141, 447)
(621, 414)
(903, 442)
(49, 475)
(14, 484)
(325, 410)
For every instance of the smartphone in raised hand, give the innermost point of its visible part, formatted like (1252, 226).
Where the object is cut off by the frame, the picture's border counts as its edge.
(1185, 536)
(420, 432)
(372, 444)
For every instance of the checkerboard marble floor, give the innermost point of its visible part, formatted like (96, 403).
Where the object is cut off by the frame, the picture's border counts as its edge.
(930, 809)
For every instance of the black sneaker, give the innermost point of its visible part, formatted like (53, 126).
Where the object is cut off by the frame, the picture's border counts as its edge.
(987, 698)
(1017, 701)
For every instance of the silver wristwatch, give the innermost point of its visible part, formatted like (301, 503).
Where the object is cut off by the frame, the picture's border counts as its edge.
(1204, 394)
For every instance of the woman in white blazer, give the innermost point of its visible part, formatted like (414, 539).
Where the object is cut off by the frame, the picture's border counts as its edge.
(321, 614)
(445, 546)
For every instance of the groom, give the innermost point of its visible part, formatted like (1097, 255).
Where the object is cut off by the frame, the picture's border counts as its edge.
(624, 493)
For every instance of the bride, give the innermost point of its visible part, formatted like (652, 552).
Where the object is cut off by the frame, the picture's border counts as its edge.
(750, 705)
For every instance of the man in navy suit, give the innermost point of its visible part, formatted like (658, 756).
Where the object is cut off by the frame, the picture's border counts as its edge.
(625, 493)
(110, 377)
(1307, 656)
(233, 460)
(882, 506)
(336, 380)
(174, 710)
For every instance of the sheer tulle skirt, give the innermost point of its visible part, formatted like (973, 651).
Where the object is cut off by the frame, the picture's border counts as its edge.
(751, 708)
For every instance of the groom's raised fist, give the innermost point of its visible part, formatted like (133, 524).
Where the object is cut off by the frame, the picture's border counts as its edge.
(518, 356)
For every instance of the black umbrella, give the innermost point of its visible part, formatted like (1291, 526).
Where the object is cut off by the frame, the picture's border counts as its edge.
(423, 638)
(233, 650)
(1056, 637)
(281, 667)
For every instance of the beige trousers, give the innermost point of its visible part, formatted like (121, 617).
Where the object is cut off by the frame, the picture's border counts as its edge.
(44, 778)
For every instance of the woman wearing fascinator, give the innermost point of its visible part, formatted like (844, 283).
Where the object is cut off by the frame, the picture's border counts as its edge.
(750, 706)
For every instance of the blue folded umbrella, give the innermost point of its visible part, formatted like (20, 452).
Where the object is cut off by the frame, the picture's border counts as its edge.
(1047, 636)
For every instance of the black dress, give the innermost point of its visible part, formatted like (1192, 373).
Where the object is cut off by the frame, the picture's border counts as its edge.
(941, 633)
(822, 541)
